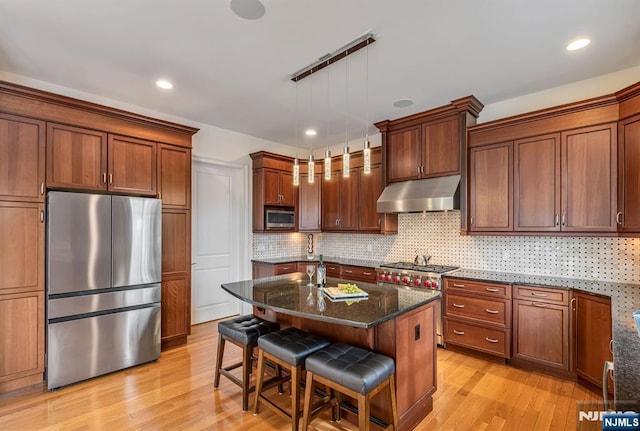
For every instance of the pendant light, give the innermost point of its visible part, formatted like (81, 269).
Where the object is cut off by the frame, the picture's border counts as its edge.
(296, 163)
(366, 152)
(345, 154)
(327, 154)
(311, 171)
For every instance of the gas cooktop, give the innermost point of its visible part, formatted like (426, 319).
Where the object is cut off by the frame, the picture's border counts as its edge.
(438, 269)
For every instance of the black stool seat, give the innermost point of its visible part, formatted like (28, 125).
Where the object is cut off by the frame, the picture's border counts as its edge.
(246, 329)
(352, 367)
(291, 345)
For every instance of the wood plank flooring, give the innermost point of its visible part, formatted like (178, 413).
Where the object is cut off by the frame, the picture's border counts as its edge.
(177, 393)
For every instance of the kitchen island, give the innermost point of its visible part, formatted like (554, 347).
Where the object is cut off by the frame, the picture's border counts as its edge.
(395, 321)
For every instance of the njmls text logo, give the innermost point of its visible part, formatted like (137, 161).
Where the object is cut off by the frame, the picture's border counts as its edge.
(592, 416)
(598, 416)
(627, 421)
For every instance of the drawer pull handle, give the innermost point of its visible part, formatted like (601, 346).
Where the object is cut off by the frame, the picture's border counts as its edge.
(539, 304)
(541, 295)
(488, 310)
(458, 305)
(491, 289)
(491, 340)
(458, 285)
(458, 332)
(366, 273)
(348, 271)
(285, 268)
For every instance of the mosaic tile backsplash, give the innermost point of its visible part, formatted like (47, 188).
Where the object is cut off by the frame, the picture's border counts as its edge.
(438, 235)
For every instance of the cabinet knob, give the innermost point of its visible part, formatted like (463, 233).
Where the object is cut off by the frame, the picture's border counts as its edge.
(619, 217)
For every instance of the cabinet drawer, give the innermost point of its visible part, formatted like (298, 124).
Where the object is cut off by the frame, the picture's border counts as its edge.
(489, 289)
(491, 311)
(285, 268)
(493, 341)
(358, 273)
(333, 270)
(540, 294)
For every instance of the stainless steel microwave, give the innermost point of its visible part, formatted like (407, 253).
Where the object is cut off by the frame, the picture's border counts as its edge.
(279, 218)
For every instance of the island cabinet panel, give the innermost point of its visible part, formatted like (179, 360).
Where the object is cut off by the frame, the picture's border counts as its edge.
(591, 335)
(490, 188)
(589, 167)
(132, 166)
(628, 216)
(309, 204)
(76, 158)
(174, 176)
(22, 157)
(541, 326)
(536, 176)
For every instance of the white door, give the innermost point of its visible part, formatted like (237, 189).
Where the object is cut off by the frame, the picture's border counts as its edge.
(218, 230)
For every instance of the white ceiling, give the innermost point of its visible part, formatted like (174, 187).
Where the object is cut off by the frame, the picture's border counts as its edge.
(234, 73)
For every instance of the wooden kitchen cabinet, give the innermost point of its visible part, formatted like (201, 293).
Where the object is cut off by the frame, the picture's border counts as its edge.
(176, 310)
(628, 216)
(370, 189)
(358, 273)
(278, 188)
(176, 242)
(272, 187)
(22, 158)
(536, 188)
(490, 188)
(76, 158)
(589, 171)
(404, 148)
(340, 197)
(310, 204)
(174, 176)
(541, 326)
(477, 316)
(261, 269)
(132, 166)
(591, 335)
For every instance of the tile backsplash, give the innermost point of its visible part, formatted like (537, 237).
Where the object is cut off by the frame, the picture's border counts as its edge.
(438, 235)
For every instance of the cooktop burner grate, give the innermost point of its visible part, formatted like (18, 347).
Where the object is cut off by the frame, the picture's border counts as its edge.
(439, 269)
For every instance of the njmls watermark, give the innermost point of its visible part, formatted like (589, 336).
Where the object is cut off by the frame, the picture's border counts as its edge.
(592, 416)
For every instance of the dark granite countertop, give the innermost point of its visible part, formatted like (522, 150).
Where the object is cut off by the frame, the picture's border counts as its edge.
(625, 299)
(289, 294)
(330, 259)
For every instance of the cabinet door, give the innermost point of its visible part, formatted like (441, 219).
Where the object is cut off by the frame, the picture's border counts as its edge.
(176, 242)
(287, 190)
(349, 201)
(175, 309)
(536, 176)
(309, 208)
(22, 341)
(370, 189)
(490, 193)
(76, 158)
(403, 155)
(592, 332)
(21, 247)
(441, 148)
(174, 176)
(331, 202)
(541, 333)
(629, 175)
(271, 181)
(589, 170)
(132, 166)
(21, 158)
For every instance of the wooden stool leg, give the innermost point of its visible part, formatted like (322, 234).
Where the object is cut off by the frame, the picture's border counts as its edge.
(259, 376)
(338, 413)
(295, 396)
(363, 412)
(279, 373)
(394, 407)
(216, 380)
(246, 372)
(308, 398)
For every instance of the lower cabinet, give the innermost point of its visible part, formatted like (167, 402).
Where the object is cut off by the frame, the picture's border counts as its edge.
(591, 335)
(176, 293)
(21, 340)
(358, 273)
(541, 326)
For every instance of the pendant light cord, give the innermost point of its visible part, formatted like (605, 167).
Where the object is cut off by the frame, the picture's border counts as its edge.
(366, 130)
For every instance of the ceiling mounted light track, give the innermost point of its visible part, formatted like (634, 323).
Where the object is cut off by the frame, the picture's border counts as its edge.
(328, 59)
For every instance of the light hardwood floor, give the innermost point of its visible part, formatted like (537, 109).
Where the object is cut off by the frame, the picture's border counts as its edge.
(177, 393)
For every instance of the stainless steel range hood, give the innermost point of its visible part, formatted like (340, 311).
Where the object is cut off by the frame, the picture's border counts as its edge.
(431, 194)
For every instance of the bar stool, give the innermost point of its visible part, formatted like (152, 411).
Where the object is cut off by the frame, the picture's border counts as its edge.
(287, 348)
(244, 332)
(355, 372)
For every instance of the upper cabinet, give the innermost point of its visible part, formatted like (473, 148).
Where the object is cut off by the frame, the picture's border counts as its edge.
(404, 148)
(272, 187)
(628, 212)
(132, 165)
(174, 176)
(22, 155)
(340, 202)
(310, 205)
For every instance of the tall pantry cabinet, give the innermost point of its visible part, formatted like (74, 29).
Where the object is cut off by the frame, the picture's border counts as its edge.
(52, 142)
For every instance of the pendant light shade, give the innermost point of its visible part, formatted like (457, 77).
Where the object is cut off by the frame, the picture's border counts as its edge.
(345, 163)
(311, 169)
(366, 153)
(296, 172)
(327, 165)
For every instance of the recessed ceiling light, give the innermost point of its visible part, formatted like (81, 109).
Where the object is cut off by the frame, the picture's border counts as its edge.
(247, 9)
(310, 132)
(403, 103)
(578, 44)
(164, 84)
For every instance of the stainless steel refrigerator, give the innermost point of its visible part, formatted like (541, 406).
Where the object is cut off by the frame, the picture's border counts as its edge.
(103, 284)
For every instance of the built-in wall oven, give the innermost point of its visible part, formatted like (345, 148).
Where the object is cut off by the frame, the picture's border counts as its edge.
(409, 274)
